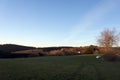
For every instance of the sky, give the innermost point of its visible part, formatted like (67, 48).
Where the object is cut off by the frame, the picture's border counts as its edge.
(45, 23)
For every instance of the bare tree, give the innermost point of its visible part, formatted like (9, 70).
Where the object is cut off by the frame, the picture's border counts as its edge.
(108, 38)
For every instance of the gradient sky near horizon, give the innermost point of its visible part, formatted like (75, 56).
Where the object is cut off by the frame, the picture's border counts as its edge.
(47, 23)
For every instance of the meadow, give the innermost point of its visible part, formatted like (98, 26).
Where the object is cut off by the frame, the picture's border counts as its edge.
(85, 67)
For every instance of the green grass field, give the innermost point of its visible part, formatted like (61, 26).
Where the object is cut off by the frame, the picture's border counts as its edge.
(59, 68)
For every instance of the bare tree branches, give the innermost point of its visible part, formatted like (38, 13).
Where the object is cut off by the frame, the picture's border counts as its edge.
(108, 38)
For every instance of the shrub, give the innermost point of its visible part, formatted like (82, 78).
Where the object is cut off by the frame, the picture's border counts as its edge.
(91, 50)
(111, 57)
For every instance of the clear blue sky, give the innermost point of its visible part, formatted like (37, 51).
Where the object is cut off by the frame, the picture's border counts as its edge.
(56, 22)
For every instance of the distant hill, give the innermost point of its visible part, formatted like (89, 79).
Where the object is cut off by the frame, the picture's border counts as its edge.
(14, 47)
(39, 50)
(48, 51)
(54, 48)
(17, 51)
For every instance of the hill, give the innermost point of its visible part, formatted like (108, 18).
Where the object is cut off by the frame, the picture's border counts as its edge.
(15, 51)
(14, 47)
(48, 51)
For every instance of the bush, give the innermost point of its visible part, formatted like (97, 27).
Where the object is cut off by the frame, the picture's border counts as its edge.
(111, 57)
(91, 50)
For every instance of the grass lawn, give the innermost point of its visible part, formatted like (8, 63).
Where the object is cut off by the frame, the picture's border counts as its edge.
(59, 68)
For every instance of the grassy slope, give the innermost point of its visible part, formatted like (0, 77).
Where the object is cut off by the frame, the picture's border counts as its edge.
(59, 68)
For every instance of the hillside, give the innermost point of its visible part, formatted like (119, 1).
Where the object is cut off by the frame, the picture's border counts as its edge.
(14, 51)
(48, 51)
(14, 47)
